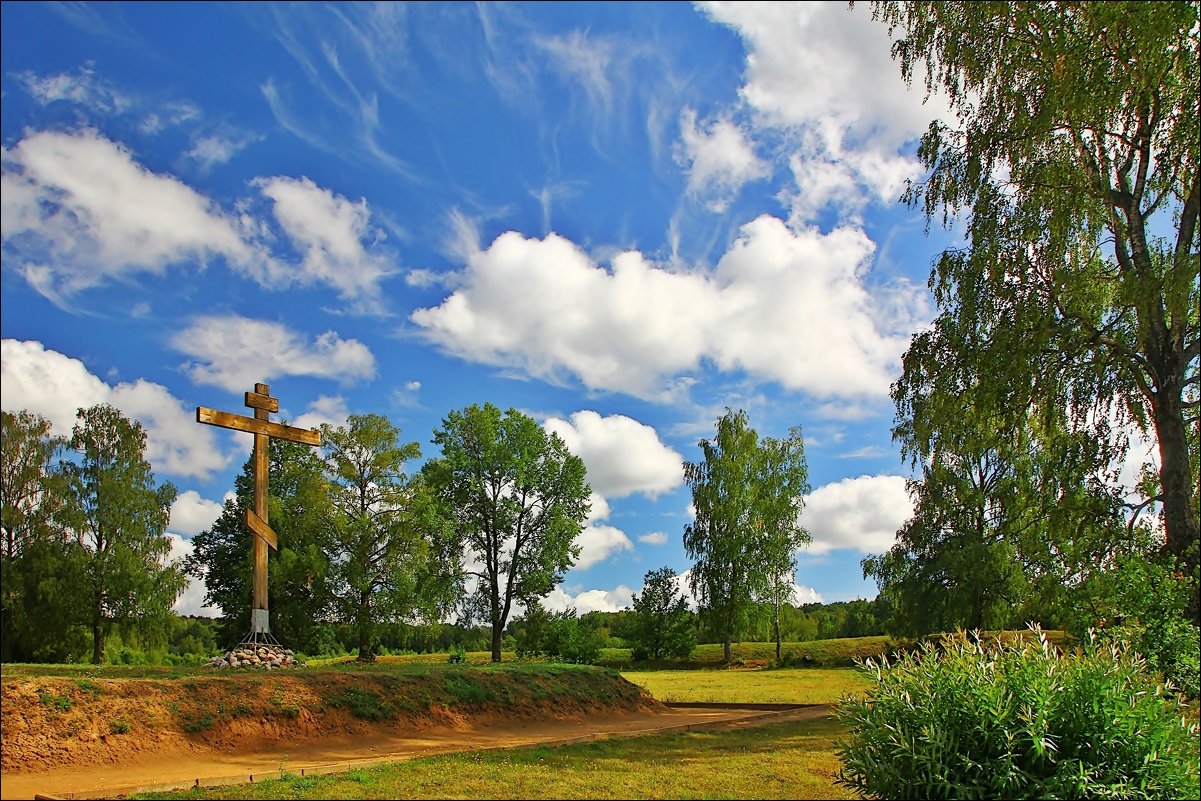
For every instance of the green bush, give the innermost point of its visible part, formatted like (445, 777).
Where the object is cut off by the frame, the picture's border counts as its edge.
(1149, 613)
(457, 655)
(1017, 720)
(567, 640)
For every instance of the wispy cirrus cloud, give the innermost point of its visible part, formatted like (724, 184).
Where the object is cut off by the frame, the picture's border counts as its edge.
(823, 79)
(84, 88)
(329, 46)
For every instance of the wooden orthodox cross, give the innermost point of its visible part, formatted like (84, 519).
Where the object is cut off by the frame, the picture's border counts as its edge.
(256, 519)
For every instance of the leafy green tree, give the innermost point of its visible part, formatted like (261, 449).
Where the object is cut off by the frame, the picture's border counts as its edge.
(782, 484)
(747, 495)
(664, 625)
(298, 504)
(38, 561)
(384, 565)
(120, 517)
(529, 630)
(1076, 300)
(1004, 521)
(518, 497)
(31, 490)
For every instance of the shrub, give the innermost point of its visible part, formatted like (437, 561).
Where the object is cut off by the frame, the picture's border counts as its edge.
(1016, 720)
(567, 640)
(457, 656)
(193, 724)
(1149, 613)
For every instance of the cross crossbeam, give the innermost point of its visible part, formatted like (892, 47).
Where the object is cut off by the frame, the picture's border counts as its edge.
(256, 519)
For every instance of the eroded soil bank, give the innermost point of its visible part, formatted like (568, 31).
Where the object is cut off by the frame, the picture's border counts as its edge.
(52, 723)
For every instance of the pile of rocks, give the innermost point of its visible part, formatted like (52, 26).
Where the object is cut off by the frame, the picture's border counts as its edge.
(251, 655)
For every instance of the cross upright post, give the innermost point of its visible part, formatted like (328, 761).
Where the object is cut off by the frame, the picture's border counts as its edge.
(257, 518)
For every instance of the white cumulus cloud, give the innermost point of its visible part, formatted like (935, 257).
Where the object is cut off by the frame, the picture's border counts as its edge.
(79, 211)
(191, 602)
(192, 514)
(862, 514)
(783, 304)
(623, 456)
(823, 76)
(234, 352)
(338, 246)
(55, 386)
(598, 543)
(583, 601)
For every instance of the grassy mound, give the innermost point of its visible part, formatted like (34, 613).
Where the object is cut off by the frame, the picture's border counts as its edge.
(114, 713)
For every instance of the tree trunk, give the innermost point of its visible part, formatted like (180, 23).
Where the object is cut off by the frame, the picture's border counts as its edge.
(778, 643)
(497, 630)
(1176, 479)
(726, 646)
(97, 634)
(366, 649)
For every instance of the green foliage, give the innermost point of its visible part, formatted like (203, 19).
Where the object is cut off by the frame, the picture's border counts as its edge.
(466, 688)
(517, 496)
(748, 495)
(664, 627)
(1016, 720)
(1142, 604)
(1075, 138)
(119, 726)
(40, 593)
(120, 517)
(385, 564)
(194, 724)
(457, 655)
(298, 573)
(569, 640)
(529, 631)
(62, 703)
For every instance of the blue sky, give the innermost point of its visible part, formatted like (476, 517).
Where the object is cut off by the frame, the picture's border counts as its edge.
(620, 218)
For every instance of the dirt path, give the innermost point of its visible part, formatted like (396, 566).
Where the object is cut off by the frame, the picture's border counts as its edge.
(185, 769)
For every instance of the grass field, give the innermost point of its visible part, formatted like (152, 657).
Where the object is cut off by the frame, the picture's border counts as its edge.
(785, 760)
(799, 686)
(795, 759)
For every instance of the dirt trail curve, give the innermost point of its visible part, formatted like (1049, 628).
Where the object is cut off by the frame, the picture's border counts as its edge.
(185, 769)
